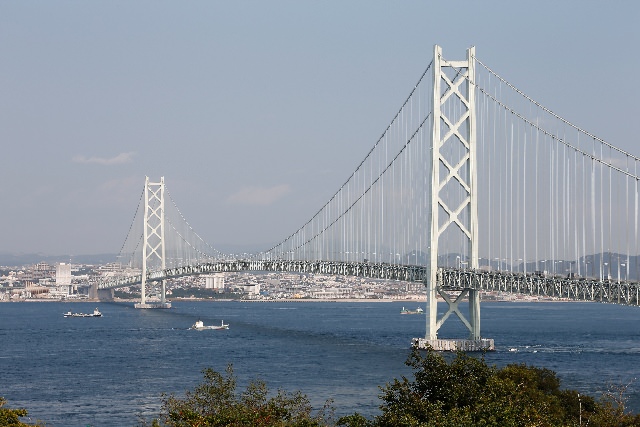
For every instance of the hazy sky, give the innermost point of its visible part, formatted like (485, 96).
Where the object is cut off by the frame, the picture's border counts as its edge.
(256, 111)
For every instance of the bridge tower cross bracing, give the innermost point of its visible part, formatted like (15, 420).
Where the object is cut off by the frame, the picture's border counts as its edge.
(153, 248)
(462, 214)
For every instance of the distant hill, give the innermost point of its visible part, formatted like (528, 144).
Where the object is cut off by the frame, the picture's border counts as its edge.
(11, 260)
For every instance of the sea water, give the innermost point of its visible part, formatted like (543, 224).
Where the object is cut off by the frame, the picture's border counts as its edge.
(109, 371)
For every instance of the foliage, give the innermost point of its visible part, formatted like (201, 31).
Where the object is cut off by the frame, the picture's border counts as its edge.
(215, 402)
(467, 392)
(446, 391)
(11, 417)
(612, 409)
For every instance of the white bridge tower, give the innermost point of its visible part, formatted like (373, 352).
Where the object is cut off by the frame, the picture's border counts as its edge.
(153, 249)
(453, 85)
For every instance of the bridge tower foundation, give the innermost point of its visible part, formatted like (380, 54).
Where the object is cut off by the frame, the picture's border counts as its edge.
(153, 249)
(453, 82)
(100, 294)
(105, 294)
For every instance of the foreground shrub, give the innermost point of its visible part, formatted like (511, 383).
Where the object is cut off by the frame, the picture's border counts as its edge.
(215, 403)
(11, 417)
(446, 391)
(467, 392)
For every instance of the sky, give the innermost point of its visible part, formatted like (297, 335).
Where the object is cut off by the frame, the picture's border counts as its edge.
(256, 112)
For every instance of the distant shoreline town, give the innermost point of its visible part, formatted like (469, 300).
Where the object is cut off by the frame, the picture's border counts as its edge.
(70, 282)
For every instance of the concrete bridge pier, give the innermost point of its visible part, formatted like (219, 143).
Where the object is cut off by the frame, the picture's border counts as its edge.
(105, 294)
(100, 294)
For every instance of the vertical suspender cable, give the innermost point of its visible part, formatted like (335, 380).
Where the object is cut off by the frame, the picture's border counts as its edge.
(511, 197)
(524, 203)
(626, 193)
(609, 248)
(576, 256)
(593, 215)
(584, 227)
(635, 226)
(601, 200)
(551, 207)
(536, 182)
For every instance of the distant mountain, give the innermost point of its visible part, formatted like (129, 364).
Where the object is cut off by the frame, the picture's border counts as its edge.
(13, 260)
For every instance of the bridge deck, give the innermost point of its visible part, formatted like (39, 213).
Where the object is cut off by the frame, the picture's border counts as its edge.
(578, 289)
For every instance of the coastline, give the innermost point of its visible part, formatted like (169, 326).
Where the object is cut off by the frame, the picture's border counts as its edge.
(297, 300)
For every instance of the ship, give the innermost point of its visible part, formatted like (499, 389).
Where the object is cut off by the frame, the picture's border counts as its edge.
(96, 313)
(200, 326)
(418, 310)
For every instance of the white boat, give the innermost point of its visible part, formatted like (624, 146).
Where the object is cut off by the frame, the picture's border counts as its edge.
(96, 313)
(200, 326)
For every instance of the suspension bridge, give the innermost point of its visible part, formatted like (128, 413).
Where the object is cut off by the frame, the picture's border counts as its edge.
(473, 186)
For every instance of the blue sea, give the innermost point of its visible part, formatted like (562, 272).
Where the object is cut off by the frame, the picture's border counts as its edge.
(110, 371)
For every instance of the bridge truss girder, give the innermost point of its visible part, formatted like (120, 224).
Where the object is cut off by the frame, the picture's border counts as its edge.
(574, 289)
(449, 279)
(409, 273)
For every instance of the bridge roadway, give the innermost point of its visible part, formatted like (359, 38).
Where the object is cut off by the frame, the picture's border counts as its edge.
(450, 279)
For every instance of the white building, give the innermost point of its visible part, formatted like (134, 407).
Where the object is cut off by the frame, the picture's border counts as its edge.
(252, 288)
(63, 274)
(63, 278)
(214, 281)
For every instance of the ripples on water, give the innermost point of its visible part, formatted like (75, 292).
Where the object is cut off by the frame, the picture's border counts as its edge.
(107, 371)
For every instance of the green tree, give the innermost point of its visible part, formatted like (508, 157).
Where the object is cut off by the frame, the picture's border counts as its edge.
(446, 391)
(215, 402)
(611, 410)
(11, 417)
(465, 391)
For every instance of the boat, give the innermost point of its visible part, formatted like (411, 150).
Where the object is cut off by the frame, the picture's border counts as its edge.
(96, 313)
(200, 326)
(418, 310)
